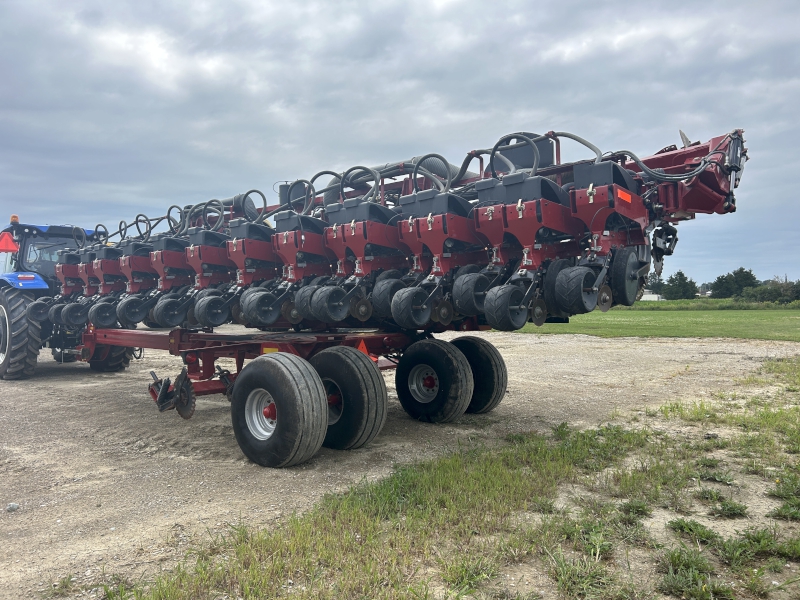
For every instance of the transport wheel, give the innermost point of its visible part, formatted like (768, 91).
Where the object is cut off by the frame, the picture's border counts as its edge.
(625, 276)
(573, 290)
(109, 359)
(130, 310)
(469, 292)
(37, 311)
(434, 381)
(75, 315)
(389, 274)
(549, 286)
(356, 395)
(382, 295)
(409, 308)
(302, 300)
(279, 410)
(328, 306)
(103, 315)
(168, 312)
(488, 372)
(20, 337)
(211, 311)
(504, 310)
(54, 314)
(62, 357)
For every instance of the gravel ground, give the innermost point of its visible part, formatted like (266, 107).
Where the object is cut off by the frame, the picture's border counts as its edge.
(105, 484)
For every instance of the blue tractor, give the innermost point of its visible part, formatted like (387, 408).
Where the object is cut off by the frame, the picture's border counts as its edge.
(28, 258)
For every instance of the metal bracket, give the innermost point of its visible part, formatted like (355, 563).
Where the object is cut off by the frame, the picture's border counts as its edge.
(591, 192)
(490, 212)
(430, 221)
(335, 229)
(519, 208)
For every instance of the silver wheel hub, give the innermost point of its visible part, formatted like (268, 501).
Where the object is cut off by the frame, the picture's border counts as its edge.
(423, 383)
(260, 413)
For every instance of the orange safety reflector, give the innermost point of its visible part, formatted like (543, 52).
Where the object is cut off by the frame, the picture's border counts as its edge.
(362, 347)
(265, 350)
(624, 196)
(7, 243)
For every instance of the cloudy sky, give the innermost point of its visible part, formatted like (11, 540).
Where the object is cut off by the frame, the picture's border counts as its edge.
(108, 109)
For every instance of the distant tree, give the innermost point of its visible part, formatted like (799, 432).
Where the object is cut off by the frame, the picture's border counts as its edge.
(678, 287)
(654, 283)
(732, 284)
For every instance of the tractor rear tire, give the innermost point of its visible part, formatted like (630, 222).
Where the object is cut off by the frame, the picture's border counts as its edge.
(434, 381)
(279, 410)
(356, 395)
(503, 309)
(488, 372)
(382, 295)
(469, 293)
(116, 358)
(409, 310)
(570, 294)
(20, 337)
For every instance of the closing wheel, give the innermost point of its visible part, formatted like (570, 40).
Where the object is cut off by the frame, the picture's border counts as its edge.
(549, 286)
(356, 396)
(382, 295)
(37, 311)
(185, 399)
(212, 311)
(54, 314)
(410, 309)
(442, 313)
(504, 309)
(625, 276)
(132, 310)
(279, 411)
(488, 372)
(469, 293)
(574, 293)
(169, 313)
(604, 298)
(302, 300)
(328, 305)
(75, 315)
(103, 315)
(434, 381)
(290, 313)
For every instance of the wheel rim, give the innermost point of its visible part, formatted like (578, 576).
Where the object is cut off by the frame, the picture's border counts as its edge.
(423, 383)
(261, 414)
(4, 334)
(335, 401)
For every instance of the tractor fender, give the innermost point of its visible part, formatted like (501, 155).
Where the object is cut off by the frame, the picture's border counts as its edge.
(23, 281)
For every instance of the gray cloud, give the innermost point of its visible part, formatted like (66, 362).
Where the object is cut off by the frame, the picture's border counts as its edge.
(109, 109)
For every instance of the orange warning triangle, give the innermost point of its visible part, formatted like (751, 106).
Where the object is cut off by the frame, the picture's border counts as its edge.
(362, 347)
(7, 243)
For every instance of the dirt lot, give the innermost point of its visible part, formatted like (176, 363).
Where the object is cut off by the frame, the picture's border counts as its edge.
(106, 484)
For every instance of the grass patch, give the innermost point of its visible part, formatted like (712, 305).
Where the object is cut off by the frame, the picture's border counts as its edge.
(744, 324)
(697, 532)
(729, 509)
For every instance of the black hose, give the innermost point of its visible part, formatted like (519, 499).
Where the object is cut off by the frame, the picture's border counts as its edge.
(419, 164)
(372, 191)
(527, 140)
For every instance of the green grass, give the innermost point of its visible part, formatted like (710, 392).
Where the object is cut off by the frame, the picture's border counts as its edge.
(709, 304)
(744, 324)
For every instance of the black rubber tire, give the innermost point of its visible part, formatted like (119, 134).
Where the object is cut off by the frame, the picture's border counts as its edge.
(129, 310)
(624, 276)
(54, 314)
(489, 373)
(103, 315)
(20, 337)
(569, 290)
(382, 295)
(389, 274)
(37, 310)
(363, 409)
(167, 312)
(302, 300)
(262, 309)
(464, 290)
(116, 358)
(75, 315)
(466, 270)
(324, 305)
(499, 312)
(453, 375)
(248, 304)
(403, 311)
(549, 286)
(62, 357)
(301, 410)
(211, 311)
(320, 281)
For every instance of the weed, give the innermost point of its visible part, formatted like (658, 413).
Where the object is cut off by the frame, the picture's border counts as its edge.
(717, 476)
(708, 495)
(789, 510)
(754, 583)
(729, 509)
(64, 587)
(580, 578)
(465, 573)
(786, 487)
(636, 508)
(694, 530)
(708, 463)
(684, 559)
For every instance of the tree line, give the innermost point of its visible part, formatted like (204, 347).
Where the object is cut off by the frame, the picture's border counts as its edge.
(739, 284)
